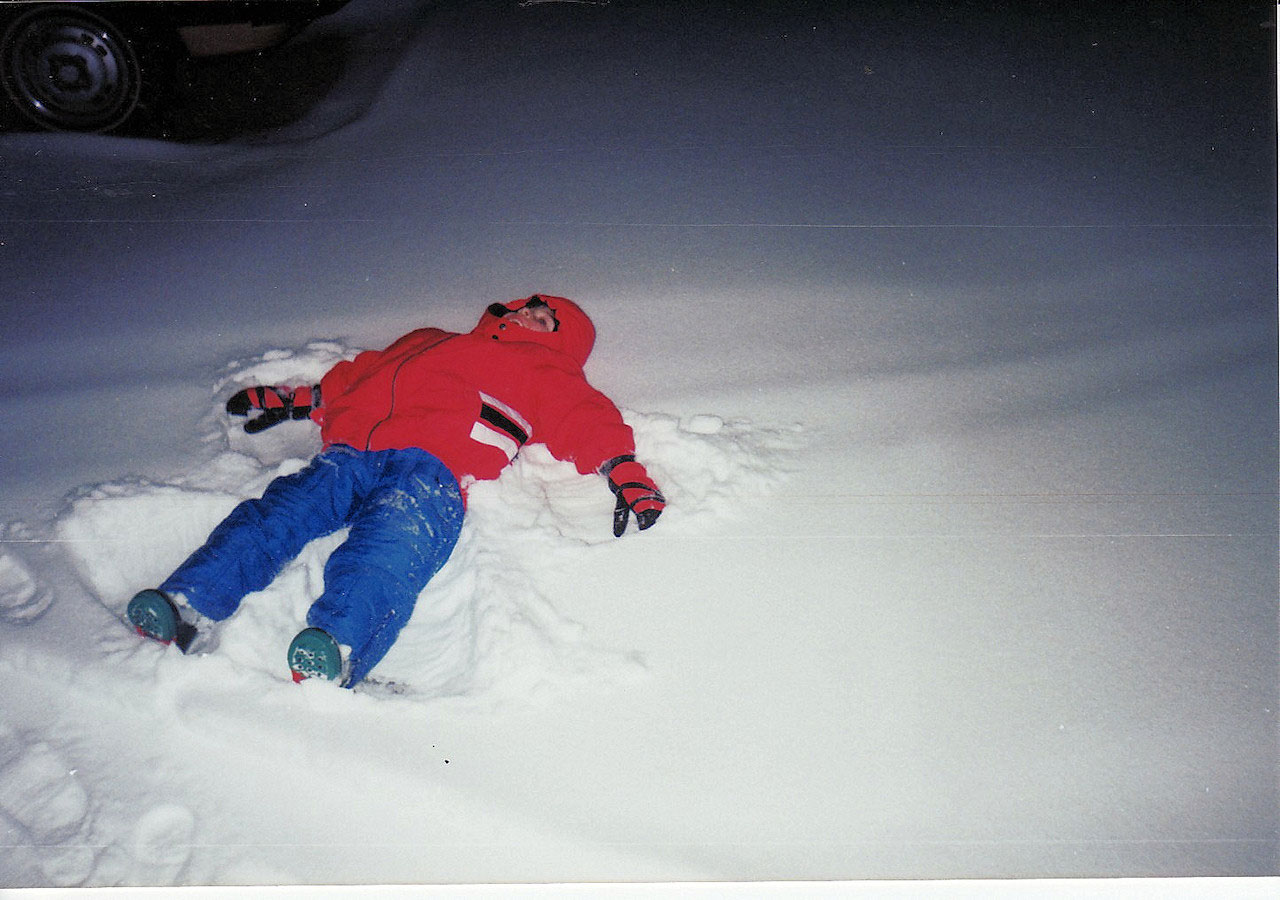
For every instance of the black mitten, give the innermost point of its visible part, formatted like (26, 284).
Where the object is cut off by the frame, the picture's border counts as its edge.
(636, 493)
(277, 404)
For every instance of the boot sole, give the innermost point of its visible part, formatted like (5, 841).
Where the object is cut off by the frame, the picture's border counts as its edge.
(313, 653)
(154, 616)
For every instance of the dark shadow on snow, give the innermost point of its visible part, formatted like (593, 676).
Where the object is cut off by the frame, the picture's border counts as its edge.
(226, 98)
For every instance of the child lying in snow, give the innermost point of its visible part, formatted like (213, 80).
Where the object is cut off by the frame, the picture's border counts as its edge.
(406, 430)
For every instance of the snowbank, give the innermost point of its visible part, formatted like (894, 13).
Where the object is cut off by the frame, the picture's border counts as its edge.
(483, 629)
(1012, 613)
(485, 634)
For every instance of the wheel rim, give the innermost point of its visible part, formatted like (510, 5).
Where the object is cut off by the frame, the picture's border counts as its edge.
(70, 71)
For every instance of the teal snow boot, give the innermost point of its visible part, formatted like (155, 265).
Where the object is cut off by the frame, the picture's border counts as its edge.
(154, 615)
(315, 654)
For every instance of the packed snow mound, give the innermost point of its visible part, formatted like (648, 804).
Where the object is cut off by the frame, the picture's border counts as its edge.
(484, 630)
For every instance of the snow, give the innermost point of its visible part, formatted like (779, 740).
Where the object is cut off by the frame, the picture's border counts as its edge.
(955, 360)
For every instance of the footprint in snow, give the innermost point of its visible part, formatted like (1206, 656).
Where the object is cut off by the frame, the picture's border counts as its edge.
(45, 814)
(21, 598)
(47, 827)
(161, 843)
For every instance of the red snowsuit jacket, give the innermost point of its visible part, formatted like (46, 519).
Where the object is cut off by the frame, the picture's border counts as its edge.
(472, 400)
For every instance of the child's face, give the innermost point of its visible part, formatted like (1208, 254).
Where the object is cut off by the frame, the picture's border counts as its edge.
(534, 317)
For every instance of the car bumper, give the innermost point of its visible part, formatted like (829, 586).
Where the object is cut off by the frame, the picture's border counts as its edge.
(219, 27)
(234, 37)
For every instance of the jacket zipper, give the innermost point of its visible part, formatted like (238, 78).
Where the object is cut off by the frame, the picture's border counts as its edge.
(368, 441)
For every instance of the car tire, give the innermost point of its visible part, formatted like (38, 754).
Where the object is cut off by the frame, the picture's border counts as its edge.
(65, 68)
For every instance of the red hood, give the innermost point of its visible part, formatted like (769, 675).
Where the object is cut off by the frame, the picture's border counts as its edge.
(575, 337)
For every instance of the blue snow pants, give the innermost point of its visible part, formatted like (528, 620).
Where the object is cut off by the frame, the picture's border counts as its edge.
(404, 510)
